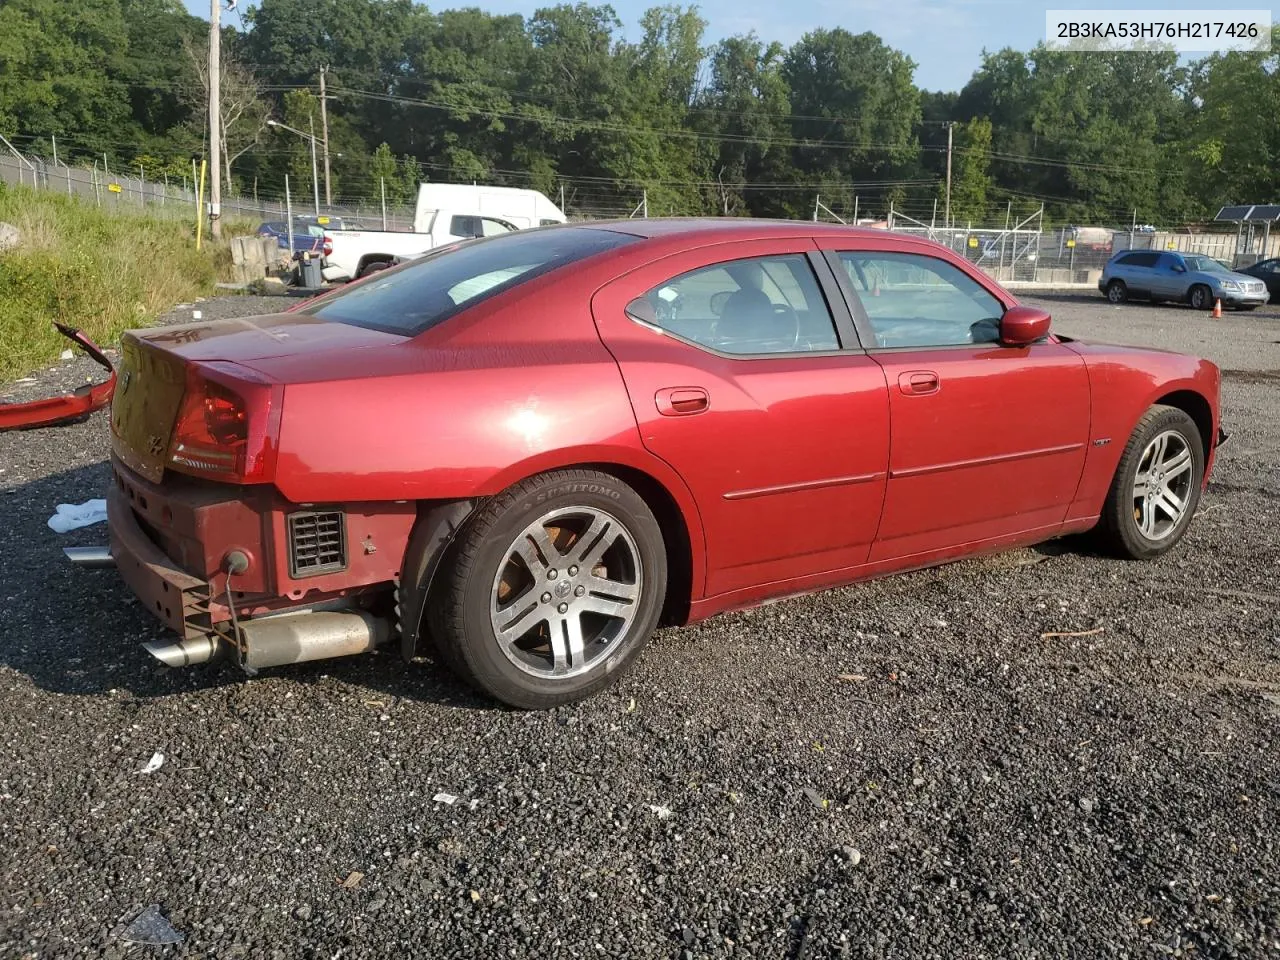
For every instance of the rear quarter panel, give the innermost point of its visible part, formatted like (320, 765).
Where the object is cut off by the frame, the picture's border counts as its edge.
(511, 388)
(1124, 382)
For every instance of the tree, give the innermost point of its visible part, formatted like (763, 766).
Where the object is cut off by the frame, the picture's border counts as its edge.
(970, 180)
(1236, 131)
(60, 67)
(746, 104)
(383, 171)
(856, 108)
(244, 111)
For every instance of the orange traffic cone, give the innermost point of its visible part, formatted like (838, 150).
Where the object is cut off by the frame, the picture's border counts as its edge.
(1217, 309)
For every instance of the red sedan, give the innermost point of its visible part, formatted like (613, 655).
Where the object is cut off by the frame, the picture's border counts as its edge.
(531, 450)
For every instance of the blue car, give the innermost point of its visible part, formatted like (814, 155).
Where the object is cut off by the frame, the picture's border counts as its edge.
(1183, 277)
(308, 232)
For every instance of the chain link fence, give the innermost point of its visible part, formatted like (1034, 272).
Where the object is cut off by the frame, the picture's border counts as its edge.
(121, 193)
(1015, 251)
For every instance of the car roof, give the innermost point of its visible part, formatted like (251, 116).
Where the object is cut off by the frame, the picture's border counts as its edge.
(739, 228)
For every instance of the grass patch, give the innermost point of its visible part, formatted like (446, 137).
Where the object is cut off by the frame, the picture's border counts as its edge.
(99, 271)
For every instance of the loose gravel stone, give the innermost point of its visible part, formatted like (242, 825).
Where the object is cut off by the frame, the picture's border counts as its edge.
(274, 790)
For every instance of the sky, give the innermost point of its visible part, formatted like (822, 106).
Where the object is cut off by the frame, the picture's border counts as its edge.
(945, 38)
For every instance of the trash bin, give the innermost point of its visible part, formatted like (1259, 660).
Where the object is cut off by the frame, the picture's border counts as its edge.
(309, 271)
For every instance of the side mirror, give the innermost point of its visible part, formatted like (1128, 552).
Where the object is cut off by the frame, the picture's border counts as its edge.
(1023, 325)
(641, 309)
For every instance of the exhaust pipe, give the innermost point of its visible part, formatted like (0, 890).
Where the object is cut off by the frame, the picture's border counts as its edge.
(274, 641)
(184, 653)
(90, 557)
(284, 638)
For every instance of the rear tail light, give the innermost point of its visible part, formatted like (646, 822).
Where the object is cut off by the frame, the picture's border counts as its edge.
(227, 425)
(327, 249)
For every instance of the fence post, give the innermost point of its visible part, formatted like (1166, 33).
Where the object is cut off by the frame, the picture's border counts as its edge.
(382, 183)
(817, 203)
(855, 209)
(97, 188)
(1004, 237)
(142, 185)
(68, 171)
(288, 222)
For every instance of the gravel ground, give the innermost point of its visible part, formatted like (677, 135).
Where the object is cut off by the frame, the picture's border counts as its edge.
(908, 768)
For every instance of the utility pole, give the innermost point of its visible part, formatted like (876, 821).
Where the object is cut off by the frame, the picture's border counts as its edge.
(315, 176)
(324, 126)
(215, 118)
(947, 213)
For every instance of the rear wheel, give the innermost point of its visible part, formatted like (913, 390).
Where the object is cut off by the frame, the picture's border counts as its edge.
(1156, 487)
(1199, 297)
(372, 267)
(553, 589)
(1117, 292)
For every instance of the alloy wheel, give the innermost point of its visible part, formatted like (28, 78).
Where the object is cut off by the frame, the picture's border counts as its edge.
(1162, 485)
(566, 593)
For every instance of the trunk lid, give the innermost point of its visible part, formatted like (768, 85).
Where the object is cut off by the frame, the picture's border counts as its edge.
(260, 338)
(149, 388)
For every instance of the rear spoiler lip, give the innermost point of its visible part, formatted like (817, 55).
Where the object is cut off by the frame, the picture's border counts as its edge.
(52, 411)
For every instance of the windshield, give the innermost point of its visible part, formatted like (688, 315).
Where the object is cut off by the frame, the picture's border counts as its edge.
(426, 292)
(1205, 264)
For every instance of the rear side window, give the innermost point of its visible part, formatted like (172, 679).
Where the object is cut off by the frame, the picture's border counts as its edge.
(1138, 260)
(421, 294)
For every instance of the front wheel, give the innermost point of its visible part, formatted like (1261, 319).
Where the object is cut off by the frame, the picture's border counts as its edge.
(553, 589)
(1117, 292)
(1156, 487)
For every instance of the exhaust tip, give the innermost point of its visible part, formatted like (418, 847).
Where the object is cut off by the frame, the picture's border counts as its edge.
(90, 557)
(184, 653)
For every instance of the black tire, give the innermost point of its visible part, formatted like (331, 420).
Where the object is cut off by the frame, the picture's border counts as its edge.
(1119, 531)
(459, 611)
(1200, 297)
(1117, 292)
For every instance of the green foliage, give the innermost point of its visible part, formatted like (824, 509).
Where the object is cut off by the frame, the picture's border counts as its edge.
(563, 99)
(971, 181)
(99, 272)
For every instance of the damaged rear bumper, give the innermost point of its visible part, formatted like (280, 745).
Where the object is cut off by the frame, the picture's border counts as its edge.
(81, 402)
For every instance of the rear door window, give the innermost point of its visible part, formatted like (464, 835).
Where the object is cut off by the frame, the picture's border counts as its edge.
(750, 307)
(420, 294)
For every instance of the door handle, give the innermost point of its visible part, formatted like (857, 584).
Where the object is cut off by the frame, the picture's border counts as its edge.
(682, 401)
(918, 382)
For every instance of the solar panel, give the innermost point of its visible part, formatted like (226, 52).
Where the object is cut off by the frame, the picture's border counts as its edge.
(1257, 213)
(1233, 213)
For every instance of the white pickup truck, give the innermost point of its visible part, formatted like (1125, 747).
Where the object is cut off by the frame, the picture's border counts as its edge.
(445, 213)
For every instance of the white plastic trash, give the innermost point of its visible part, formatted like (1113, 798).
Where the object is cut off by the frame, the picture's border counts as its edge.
(72, 516)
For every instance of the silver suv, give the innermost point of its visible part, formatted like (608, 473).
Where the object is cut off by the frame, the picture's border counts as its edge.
(1186, 277)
